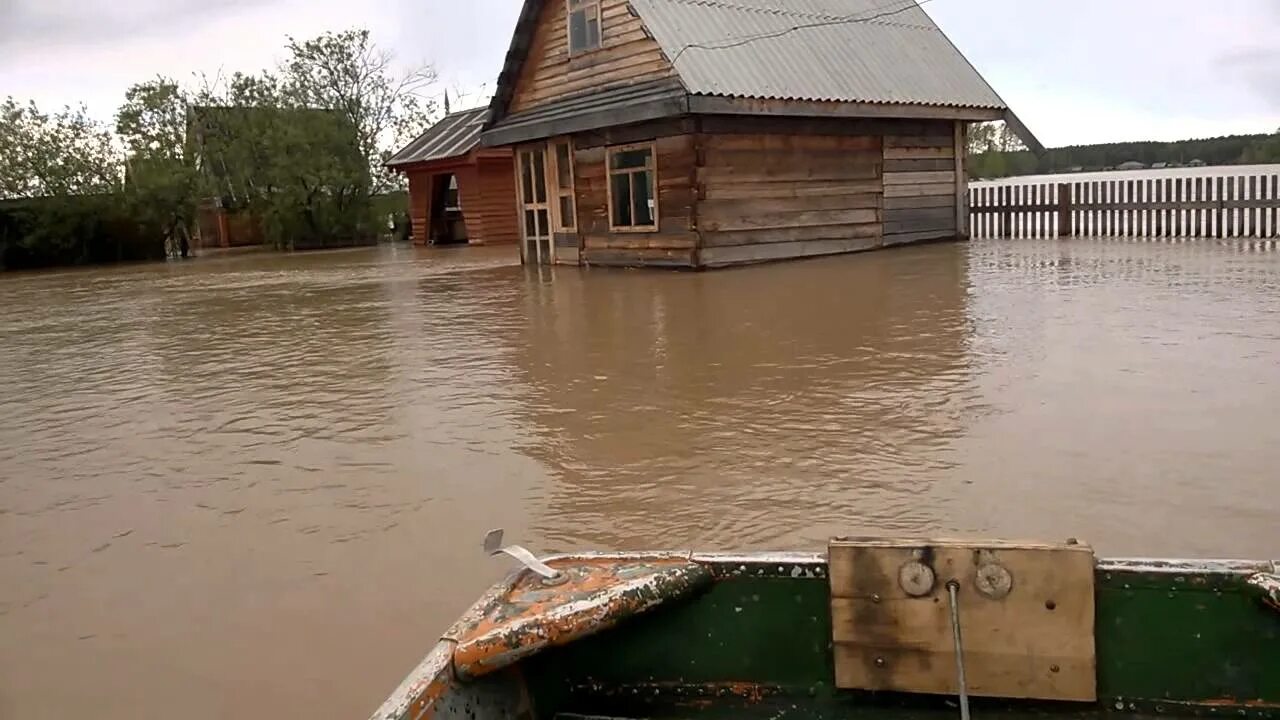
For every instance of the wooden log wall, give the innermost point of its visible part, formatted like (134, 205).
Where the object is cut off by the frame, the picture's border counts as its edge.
(920, 187)
(1185, 205)
(627, 55)
(491, 214)
(675, 241)
(773, 196)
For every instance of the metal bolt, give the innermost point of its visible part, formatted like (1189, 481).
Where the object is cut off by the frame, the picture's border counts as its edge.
(1054, 668)
(880, 662)
(1072, 541)
(875, 599)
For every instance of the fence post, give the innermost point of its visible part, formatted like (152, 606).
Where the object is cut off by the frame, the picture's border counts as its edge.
(1064, 209)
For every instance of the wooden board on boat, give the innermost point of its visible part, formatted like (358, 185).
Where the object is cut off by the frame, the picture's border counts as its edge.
(1026, 614)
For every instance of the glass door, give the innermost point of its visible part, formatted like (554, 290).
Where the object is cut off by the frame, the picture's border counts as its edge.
(535, 214)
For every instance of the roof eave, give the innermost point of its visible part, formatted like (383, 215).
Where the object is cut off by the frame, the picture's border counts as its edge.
(721, 105)
(1023, 132)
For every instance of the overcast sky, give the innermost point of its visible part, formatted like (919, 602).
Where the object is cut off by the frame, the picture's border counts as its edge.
(1076, 71)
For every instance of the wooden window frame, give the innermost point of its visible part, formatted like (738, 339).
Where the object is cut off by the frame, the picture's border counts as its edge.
(559, 225)
(568, 25)
(651, 166)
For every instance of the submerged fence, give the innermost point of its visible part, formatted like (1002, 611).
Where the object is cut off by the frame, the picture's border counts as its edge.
(1169, 206)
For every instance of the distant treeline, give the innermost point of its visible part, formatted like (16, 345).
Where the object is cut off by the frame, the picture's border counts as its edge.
(1230, 150)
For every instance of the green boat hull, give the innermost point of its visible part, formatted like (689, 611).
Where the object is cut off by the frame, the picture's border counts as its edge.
(751, 636)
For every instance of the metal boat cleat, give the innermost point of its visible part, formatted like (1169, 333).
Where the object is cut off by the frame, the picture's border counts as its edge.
(493, 546)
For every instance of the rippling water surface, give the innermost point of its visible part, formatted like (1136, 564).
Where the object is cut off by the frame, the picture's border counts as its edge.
(257, 486)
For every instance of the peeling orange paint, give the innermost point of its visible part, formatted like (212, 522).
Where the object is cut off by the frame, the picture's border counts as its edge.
(533, 614)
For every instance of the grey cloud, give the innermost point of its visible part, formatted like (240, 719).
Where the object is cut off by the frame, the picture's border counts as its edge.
(1259, 68)
(63, 22)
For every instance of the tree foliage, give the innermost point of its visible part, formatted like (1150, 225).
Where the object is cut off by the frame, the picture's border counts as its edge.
(52, 155)
(298, 149)
(60, 178)
(162, 187)
(347, 73)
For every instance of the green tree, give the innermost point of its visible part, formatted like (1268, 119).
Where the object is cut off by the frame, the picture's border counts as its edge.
(348, 73)
(54, 155)
(60, 175)
(163, 184)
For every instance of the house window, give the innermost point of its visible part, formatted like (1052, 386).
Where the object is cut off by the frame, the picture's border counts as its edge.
(584, 25)
(566, 218)
(633, 204)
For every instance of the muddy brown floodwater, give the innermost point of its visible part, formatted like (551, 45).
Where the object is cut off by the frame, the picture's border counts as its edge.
(257, 486)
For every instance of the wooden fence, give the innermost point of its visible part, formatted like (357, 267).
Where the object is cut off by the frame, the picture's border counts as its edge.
(1224, 206)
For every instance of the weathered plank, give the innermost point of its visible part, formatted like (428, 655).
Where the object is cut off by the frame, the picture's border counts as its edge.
(922, 165)
(789, 234)
(714, 210)
(921, 178)
(918, 153)
(919, 219)
(639, 257)
(774, 221)
(745, 190)
(919, 190)
(937, 201)
(904, 238)
(743, 254)
(817, 171)
(770, 143)
(641, 241)
(941, 140)
(1031, 636)
(627, 55)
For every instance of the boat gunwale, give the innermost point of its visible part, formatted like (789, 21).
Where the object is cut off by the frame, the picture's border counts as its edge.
(436, 672)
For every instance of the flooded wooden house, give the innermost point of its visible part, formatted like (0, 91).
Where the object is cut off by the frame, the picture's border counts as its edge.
(704, 133)
(459, 192)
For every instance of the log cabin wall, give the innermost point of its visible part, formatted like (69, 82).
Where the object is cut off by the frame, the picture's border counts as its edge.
(921, 177)
(627, 55)
(770, 196)
(735, 190)
(675, 242)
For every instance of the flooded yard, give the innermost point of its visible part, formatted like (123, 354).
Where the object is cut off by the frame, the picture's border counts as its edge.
(257, 486)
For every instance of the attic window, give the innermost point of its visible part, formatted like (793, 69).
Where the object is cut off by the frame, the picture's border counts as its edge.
(584, 25)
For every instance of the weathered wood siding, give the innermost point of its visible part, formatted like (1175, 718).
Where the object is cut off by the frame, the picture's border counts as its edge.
(490, 211)
(486, 192)
(774, 196)
(627, 55)
(920, 185)
(420, 204)
(675, 242)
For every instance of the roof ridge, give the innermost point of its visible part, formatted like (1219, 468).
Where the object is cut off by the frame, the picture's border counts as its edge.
(815, 15)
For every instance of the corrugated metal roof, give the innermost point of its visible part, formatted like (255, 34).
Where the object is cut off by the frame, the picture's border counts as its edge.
(828, 50)
(454, 136)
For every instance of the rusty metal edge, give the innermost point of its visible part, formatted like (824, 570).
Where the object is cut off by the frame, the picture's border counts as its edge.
(412, 699)
(584, 617)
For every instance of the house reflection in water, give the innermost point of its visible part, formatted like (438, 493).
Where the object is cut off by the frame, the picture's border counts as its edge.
(808, 393)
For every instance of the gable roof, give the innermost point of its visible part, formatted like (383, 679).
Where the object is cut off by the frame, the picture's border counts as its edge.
(843, 52)
(832, 50)
(453, 136)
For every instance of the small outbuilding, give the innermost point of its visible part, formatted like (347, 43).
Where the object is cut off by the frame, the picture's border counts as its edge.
(459, 192)
(704, 133)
